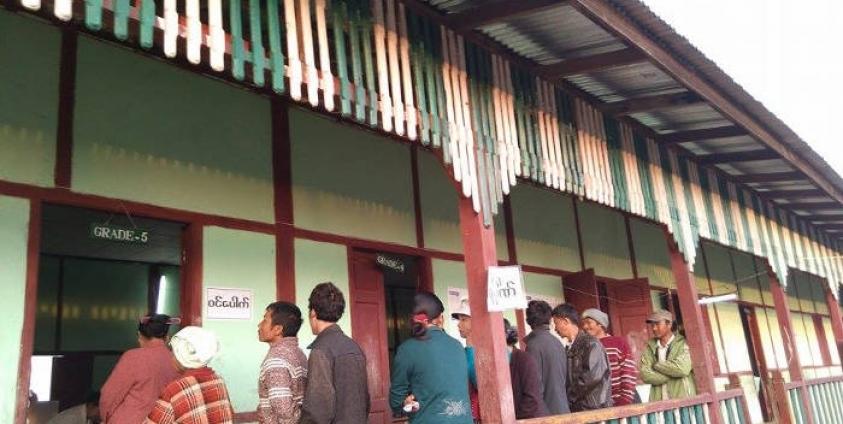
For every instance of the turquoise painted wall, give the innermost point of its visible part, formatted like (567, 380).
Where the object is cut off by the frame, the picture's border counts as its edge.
(317, 262)
(604, 241)
(14, 230)
(543, 284)
(186, 142)
(29, 103)
(651, 254)
(545, 229)
(239, 259)
(350, 182)
(440, 210)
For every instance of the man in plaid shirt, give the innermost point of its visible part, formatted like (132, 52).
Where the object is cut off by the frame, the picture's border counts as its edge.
(199, 396)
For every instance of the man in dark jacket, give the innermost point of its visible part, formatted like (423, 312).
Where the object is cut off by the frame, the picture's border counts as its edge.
(337, 388)
(550, 357)
(589, 382)
(525, 378)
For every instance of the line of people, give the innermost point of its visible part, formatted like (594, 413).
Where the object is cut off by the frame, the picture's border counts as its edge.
(168, 380)
(433, 376)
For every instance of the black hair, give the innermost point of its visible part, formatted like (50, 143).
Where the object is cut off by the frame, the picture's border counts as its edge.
(428, 304)
(567, 311)
(287, 315)
(327, 301)
(154, 326)
(511, 333)
(538, 313)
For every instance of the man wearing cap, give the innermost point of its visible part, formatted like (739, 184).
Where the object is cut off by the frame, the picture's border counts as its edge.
(463, 318)
(589, 385)
(666, 361)
(199, 395)
(621, 363)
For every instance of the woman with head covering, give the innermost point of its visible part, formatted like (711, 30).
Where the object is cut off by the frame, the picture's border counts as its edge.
(199, 395)
(140, 374)
(429, 371)
(526, 392)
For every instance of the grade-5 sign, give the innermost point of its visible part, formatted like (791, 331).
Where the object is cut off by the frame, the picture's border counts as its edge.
(222, 303)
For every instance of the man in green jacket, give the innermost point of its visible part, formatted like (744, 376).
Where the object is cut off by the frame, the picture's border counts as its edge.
(666, 361)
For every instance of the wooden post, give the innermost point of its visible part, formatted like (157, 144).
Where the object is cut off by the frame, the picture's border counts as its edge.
(493, 380)
(836, 321)
(702, 353)
(789, 343)
(285, 263)
(780, 398)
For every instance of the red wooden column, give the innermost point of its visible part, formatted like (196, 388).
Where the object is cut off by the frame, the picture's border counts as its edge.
(702, 353)
(285, 266)
(495, 389)
(836, 321)
(789, 342)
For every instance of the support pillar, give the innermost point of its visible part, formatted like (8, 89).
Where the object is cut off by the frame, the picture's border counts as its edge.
(702, 353)
(789, 343)
(491, 362)
(836, 322)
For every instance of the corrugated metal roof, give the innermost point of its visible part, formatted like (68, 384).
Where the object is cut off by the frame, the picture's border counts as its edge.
(625, 82)
(557, 33)
(554, 34)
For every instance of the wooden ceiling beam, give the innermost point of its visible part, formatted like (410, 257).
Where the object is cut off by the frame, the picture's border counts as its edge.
(752, 155)
(703, 134)
(589, 64)
(812, 205)
(651, 103)
(770, 177)
(793, 194)
(476, 17)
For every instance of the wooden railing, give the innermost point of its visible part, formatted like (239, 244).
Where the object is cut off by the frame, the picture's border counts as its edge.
(824, 397)
(689, 410)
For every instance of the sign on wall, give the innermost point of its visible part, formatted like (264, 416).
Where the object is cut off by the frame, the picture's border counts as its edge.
(505, 289)
(224, 303)
(119, 234)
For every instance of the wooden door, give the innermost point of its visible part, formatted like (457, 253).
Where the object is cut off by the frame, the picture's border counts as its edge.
(580, 290)
(368, 327)
(629, 305)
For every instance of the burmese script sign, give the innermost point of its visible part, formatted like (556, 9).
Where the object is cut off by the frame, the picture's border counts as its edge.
(223, 303)
(119, 234)
(505, 289)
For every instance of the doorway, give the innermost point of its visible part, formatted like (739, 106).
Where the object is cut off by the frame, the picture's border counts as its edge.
(98, 274)
(382, 287)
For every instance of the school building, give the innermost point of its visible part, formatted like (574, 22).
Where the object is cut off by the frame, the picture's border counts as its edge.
(203, 158)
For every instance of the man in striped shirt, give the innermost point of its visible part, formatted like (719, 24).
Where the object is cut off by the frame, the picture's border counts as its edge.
(621, 363)
(283, 374)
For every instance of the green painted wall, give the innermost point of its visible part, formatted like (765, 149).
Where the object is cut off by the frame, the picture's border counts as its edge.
(651, 255)
(440, 210)
(604, 241)
(350, 182)
(186, 142)
(14, 230)
(29, 103)
(318, 262)
(544, 228)
(543, 284)
(239, 259)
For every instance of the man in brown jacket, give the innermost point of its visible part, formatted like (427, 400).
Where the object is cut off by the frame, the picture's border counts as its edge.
(337, 388)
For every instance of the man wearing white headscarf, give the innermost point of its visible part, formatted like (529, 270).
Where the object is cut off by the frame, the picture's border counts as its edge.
(199, 395)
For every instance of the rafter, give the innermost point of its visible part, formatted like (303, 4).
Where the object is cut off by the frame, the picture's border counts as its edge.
(793, 194)
(770, 177)
(483, 15)
(823, 217)
(594, 63)
(651, 103)
(752, 155)
(703, 134)
(812, 205)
